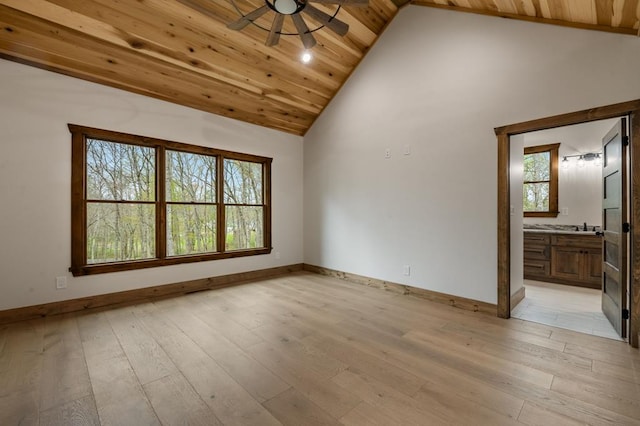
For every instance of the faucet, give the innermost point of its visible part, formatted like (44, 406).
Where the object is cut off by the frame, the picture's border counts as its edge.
(584, 228)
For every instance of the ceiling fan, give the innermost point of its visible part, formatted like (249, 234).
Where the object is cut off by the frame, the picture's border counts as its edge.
(295, 9)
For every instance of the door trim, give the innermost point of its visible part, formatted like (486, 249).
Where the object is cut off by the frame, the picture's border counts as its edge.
(631, 109)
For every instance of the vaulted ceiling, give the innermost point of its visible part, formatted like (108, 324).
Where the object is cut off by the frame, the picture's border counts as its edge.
(181, 51)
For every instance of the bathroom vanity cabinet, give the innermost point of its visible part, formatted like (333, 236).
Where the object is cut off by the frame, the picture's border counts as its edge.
(563, 258)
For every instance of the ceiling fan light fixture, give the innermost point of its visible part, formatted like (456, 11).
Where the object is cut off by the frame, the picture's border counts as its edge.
(286, 7)
(306, 57)
(295, 9)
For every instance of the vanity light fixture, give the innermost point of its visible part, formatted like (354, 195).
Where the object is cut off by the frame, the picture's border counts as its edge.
(583, 159)
(597, 161)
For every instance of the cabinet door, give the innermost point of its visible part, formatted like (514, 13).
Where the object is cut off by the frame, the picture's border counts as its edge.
(593, 267)
(567, 262)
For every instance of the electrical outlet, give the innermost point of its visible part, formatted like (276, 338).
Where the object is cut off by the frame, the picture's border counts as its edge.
(277, 255)
(407, 150)
(387, 153)
(564, 211)
(61, 283)
(406, 270)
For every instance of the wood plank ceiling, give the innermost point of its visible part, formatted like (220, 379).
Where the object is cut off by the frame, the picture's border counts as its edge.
(181, 50)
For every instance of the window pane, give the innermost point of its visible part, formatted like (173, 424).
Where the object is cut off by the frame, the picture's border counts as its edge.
(244, 226)
(242, 182)
(191, 229)
(191, 177)
(537, 167)
(536, 197)
(117, 171)
(118, 232)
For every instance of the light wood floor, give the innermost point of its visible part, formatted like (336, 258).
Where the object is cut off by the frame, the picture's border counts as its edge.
(306, 349)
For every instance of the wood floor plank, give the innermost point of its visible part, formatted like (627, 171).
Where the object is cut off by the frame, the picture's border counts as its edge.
(230, 329)
(175, 402)
(590, 342)
(625, 402)
(535, 415)
(367, 414)
(19, 408)
(20, 373)
(261, 383)
(359, 361)
(394, 404)
(324, 365)
(448, 405)
(229, 401)
(541, 356)
(21, 362)
(628, 373)
(65, 377)
(147, 358)
(445, 377)
(600, 353)
(573, 368)
(118, 394)
(333, 399)
(293, 408)
(80, 412)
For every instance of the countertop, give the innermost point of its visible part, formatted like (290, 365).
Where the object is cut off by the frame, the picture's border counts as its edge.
(555, 231)
(562, 229)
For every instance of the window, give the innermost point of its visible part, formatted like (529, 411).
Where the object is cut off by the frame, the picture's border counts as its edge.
(540, 191)
(140, 202)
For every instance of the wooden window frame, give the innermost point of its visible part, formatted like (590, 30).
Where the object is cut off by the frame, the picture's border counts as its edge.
(79, 265)
(553, 150)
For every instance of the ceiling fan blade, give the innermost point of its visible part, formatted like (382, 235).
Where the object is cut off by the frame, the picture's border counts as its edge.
(276, 27)
(334, 24)
(343, 2)
(307, 38)
(248, 18)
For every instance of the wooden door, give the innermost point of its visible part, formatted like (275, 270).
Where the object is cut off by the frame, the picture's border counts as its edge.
(614, 225)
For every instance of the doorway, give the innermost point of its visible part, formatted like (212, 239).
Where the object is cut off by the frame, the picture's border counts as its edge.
(561, 279)
(630, 109)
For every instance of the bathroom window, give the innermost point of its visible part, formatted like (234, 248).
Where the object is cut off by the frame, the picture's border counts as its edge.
(540, 189)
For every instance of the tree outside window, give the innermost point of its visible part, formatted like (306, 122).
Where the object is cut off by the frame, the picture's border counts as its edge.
(540, 189)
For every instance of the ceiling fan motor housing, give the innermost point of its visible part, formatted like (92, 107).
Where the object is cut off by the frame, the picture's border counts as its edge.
(287, 7)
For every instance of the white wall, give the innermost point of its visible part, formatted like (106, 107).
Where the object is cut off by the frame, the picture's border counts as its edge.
(35, 170)
(440, 81)
(516, 167)
(579, 188)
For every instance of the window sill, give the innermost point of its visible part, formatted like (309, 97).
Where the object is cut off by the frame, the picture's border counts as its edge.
(104, 268)
(541, 214)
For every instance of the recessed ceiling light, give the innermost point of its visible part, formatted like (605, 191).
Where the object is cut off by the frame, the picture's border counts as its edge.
(306, 57)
